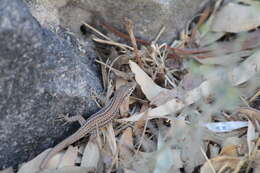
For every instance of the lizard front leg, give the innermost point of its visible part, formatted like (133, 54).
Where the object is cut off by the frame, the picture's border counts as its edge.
(81, 120)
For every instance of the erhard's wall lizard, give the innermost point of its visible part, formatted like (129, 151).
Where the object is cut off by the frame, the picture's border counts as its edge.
(99, 119)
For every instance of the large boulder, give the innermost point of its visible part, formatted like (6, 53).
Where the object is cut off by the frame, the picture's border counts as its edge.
(149, 16)
(42, 74)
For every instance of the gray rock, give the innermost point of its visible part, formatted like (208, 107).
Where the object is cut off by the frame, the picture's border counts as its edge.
(149, 16)
(42, 75)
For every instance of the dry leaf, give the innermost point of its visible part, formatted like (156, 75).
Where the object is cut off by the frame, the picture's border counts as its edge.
(236, 18)
(67, 169)
(144, 162)
(191, 81)
(188, 139)
(177, 162)
(7, 170)
(69, 157)
(147, 144)
(110, 136)
(124, 107)
(129, 171)
(91, 156)
(234, 145)
(251, 135)
(253, 114)
(210, 37)
(225, 60)
(219, 162)
(164, 158)
(149, 88)
(256, 163)
(220, 138)
(241, 45)
(55, 160)
(161, 98)
(166, 96)
(194, 95)
(126, 145)
(171, 106)
(174, 105)
(246, 70)
(141, 123)
(230, 150)
(213, 150)
(33, 165)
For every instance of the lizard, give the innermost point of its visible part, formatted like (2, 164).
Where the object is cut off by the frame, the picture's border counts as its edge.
(97, 120)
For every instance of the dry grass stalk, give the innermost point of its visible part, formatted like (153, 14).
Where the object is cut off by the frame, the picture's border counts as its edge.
(129, 27)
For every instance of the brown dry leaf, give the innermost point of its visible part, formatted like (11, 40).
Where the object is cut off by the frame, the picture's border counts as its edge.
(149, 88)
(230, 150)
(7, 170)
(126, 145)
(218, 162)
(233, 146)
(69, 157)
(91, 156)
(253, 98)
(236, 18)
(140, 123)
(253, 114)
(33, 165)
(124, 107)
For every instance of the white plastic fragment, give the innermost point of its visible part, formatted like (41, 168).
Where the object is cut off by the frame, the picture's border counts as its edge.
(226, 126)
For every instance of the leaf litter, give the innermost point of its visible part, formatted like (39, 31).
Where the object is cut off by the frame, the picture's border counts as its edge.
(192, 110)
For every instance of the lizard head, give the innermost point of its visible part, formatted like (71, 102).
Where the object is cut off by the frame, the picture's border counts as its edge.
(126, 90)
